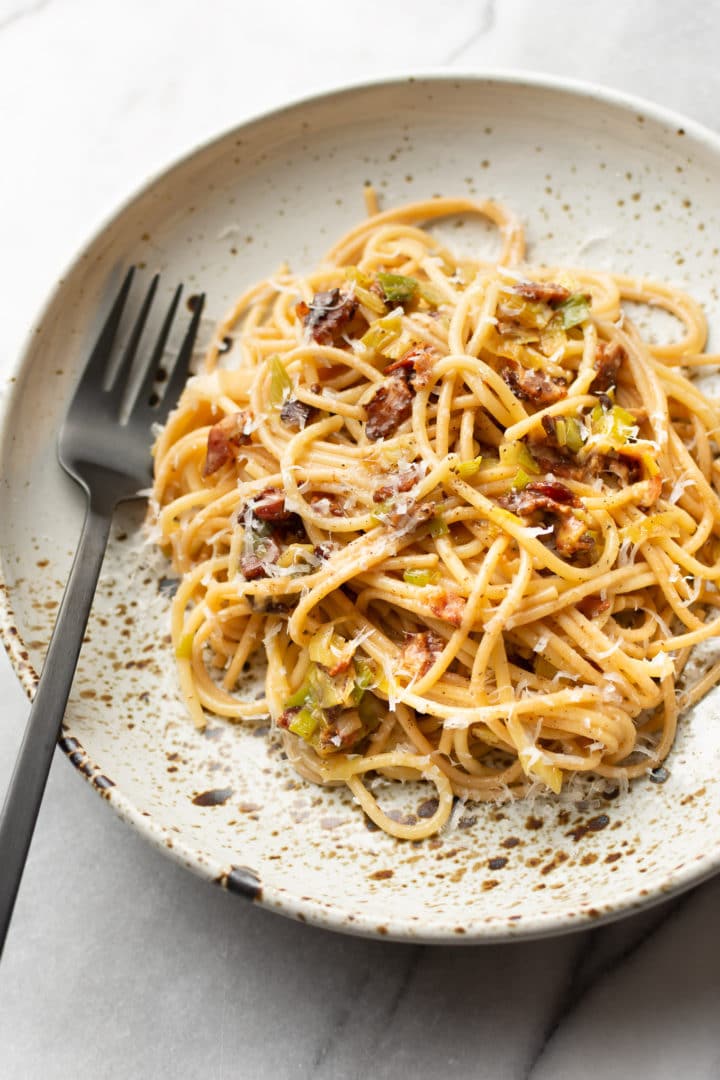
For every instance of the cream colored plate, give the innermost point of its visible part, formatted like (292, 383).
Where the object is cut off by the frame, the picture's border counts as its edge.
(600, 180)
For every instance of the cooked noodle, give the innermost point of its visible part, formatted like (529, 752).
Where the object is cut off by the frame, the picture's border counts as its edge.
(468, 513)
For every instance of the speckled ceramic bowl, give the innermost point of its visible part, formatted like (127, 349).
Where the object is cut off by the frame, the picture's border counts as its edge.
(600, 180)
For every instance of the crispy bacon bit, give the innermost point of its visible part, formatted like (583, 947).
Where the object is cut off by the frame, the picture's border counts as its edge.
(341, 733)
(552, 458)
(415, 365)
(326, 504)
(449, 607)
(254, 565)
(593, 605)
(342, 664)
(409, 515)
(544, 292)
(608, 360)
(625, 468)
(390, 405)
(270, 506)
(296, 414)
(325, 550)
(223, 437)
(328, 315)
(419, 652)
(400, 481)
(557, 460)
(529, 384)
(550, 495)
(572, 536)
(286, 718)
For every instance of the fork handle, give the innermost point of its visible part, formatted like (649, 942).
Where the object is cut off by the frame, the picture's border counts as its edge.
(22, 802)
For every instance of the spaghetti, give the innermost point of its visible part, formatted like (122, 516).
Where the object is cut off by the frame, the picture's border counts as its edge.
(468, 513)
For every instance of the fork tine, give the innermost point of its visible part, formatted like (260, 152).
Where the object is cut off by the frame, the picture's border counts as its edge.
(141, 399)
(97, 363)
(180, 371)
(119, 383)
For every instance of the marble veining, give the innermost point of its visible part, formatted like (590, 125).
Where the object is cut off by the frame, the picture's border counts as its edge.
(120, 963)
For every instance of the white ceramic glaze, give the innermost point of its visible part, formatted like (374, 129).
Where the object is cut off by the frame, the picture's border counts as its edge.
(602, 181)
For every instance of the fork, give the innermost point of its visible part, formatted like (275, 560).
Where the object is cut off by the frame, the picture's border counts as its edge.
(104, 445)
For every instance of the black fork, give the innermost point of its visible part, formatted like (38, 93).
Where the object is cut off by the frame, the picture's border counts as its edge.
(104, 446)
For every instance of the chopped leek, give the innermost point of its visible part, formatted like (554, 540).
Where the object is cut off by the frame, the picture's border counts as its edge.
(305, 724)
(382, 333)
(397, 288)
(365, 674)
(300, 696)
(568, 432)
(521, 479)
(517, 453)
(370, 710)
(420, 577)
(381, 511)
(320, 646)
(280, 384)
(292, 556)
(617, 424)
(575, 310)
(468, 468)
(531, 314)
(438, 526)
(573, 434)
(362, 283)
(328, 690)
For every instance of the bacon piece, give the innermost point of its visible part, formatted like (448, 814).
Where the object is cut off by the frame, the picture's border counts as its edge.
(624, 467)
(544, 292)
(324, 550)
(399, 481)
(529, 384)
(608, 360)
(286, 718)
(593, 605)
(326, 504)
(341, 733)
(296, 414)
(419, 652)
(223, 437)
(449, 607)
(550, 495)
(572, 536)
(415, 365)
(270, 506)
(410, 515)
(551, 459)
(254, 565)
(390, 405)
(328, 315)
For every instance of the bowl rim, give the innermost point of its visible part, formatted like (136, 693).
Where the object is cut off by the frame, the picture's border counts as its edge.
(240, 879)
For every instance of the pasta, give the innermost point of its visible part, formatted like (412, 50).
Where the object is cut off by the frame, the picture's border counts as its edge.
(468, 513)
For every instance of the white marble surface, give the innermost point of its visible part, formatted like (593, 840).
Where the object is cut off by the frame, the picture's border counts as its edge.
(119, 963)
